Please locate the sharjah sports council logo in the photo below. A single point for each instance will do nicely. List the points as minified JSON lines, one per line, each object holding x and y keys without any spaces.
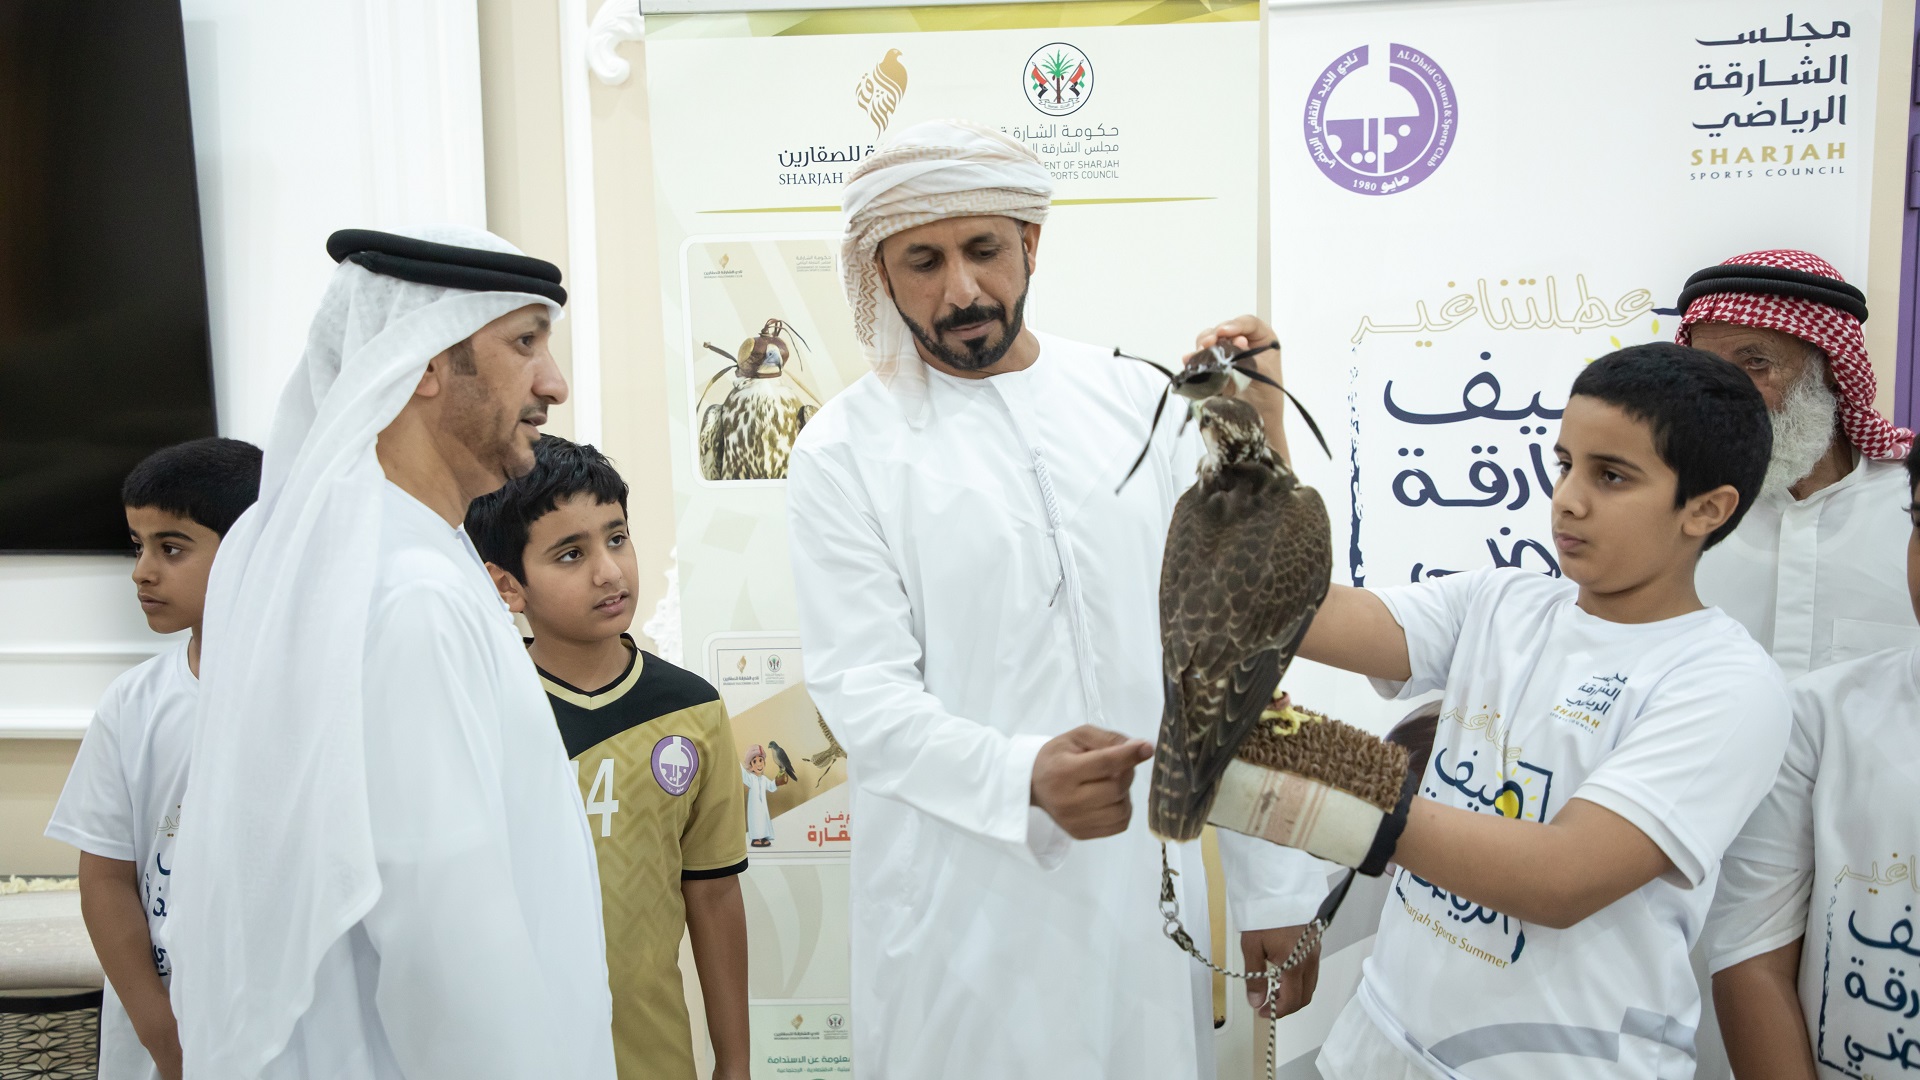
{"x":1382,"y":134}
{"x":1059,"y":79}
{"x":675,"y":761}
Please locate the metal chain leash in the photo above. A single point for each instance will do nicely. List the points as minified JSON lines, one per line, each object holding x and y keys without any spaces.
{"x":1177,"y":933}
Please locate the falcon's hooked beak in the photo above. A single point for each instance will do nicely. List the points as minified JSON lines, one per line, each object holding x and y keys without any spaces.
{"x":770,"y":366}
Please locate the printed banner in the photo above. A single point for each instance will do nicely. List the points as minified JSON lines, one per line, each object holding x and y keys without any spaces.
{"x":1145,"y":112}
{"x":791,"y":766}
{"x":768,"y":342}
{"x":801,"y":1040}
{"x":1473,"y":200}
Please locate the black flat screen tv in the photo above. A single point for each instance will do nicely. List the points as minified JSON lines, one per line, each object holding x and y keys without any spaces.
{"x":104,"y":353}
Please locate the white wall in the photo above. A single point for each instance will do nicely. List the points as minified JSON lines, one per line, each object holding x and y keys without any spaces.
{"x":307,"y":118}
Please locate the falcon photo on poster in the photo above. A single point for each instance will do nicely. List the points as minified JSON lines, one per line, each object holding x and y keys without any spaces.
{"x":769,"y":342}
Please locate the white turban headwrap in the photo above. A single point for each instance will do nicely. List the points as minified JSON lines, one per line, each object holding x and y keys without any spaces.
{"x":278,"y":862}
{"x":928,"y":172}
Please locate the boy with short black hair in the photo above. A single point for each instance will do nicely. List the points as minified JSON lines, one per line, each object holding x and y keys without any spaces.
{"x":654,"y":747}
{"x":121,"y":804}
{"x":1602,"y":738}
{"x":1811,"y":942}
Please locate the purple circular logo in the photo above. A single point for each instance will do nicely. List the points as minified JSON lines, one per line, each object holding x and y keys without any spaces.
{"x":1375,"y":135}
{"x":675,"y":761}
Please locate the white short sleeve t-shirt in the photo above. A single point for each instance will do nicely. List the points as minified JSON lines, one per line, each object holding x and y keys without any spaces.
{"x":1677,"y":726}
{"x":122,"y":801}
{"x":1829,"y":859}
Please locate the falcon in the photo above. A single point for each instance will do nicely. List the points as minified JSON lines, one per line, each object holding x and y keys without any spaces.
{"x":1248,"y":559}
{"x":749,"y":434}
{"x":781,"y":759}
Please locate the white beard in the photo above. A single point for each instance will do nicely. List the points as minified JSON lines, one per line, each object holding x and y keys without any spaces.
{"x":1802,"y":432}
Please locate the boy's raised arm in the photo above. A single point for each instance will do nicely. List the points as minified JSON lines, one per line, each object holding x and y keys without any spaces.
{"x":116,"y":920}
{"x":1554,"y":874}
{"x":1355,"y":631}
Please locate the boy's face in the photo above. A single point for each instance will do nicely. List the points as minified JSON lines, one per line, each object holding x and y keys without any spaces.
{"x":1614,"y":521}
{"x":172,"y":555}
{"x":580,"y":571}
{"x":757,"y":766}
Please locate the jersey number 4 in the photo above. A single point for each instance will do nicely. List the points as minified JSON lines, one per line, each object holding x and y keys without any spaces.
{"x":600,"y":798}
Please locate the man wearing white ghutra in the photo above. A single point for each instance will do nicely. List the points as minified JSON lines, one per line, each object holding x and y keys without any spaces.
{"x":979,"y":609}
{"x":389,"y":871}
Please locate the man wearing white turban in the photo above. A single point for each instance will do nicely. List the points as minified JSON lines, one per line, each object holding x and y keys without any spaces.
{"x":979,"y":611}
{"x":388,"y":871}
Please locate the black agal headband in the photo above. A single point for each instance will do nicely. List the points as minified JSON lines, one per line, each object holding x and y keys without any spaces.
{"x":1770,"y":281}
{"x":427,"y":263}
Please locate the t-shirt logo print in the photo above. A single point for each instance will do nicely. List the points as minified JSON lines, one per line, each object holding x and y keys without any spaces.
{"x":675,"y":762}
{"x":1588,"y":705}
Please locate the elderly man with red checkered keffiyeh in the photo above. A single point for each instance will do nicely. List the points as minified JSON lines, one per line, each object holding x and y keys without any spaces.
{"x":1815,"y":572}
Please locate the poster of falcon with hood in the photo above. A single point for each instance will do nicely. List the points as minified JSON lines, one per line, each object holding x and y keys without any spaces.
{"x":767,"y":317}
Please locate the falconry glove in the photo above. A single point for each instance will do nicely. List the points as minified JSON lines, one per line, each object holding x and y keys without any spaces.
{"x":1331,"y":790}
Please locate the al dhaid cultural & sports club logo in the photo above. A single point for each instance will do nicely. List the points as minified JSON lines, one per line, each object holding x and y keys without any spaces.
{"x":1375,"y":130}
{"x":1059,"y":79}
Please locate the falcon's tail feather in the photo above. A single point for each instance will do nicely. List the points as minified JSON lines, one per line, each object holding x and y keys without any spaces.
{"x":1176,"y":810}
{"x":1186,"y":775}
{"x":1182,"y":793}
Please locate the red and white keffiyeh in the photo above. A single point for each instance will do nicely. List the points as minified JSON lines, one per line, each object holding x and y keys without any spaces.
{"x":1833,"y":331}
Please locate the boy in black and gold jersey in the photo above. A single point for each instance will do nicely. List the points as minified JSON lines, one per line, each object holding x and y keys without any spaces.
{"x":655,"y":753}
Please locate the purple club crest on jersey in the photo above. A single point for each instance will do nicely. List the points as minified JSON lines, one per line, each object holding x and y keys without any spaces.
{"x":675,"y":762}
{"x":1387,"y":136}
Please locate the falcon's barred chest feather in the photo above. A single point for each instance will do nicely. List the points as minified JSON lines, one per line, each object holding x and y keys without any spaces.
{"x":1248,"y":561}
{"x":749,"y":434}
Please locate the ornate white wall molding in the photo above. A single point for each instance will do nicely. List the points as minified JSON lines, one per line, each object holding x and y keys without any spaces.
{"x":664,"y":627}
{"x":617,"y":22}
{"x":44,"y":723}
{"x":583,"y":249}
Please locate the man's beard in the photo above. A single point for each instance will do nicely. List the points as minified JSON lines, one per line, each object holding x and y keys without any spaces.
{"x":490,"y":432}
{"x":1802,"y":432}
{"x":983,"y":352}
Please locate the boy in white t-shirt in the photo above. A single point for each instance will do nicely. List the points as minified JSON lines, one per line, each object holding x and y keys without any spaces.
{"x":121,"y":805}
{"x":1811,"y":938}
{"x":1601,"y":740}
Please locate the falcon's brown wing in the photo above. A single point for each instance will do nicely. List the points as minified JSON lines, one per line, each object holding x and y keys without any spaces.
{"x":1245,"y":571}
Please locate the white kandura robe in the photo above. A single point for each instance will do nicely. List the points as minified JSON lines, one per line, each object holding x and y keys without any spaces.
{"x":1816,"y":581}
{"x":1821,"y":579}
{"x":968,"y":589}
{"x":484,"y":955}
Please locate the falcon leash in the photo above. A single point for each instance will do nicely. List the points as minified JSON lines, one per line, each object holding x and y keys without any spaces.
{"x":1309,"y":941}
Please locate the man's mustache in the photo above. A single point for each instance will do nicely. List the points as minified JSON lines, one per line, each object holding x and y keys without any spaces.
{"x":966,"y":316}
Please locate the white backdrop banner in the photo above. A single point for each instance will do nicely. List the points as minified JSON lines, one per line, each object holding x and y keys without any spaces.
{"x":1472,"y":200}
{"x":1146,"y":114}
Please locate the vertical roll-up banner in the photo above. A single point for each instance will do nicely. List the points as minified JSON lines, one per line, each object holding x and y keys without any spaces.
{"x":1145,"y":112}
{"x":1470,"y":201}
